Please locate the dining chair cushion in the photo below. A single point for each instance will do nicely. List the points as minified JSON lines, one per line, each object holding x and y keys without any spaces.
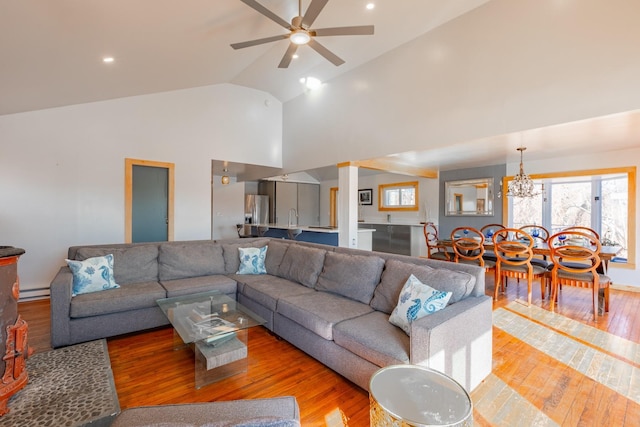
{"x":487,"y":263}
{"x":415,"y":301}
{"x":523,"y":268}
{"x":583,"y":277}
{"x":442,"y":256}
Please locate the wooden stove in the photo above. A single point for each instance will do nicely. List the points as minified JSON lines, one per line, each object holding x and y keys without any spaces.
{"x":13,"y":329}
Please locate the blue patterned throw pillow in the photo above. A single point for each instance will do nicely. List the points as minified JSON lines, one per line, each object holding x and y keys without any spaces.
{"x":417,"y":300}
{"x":252,"y":260}
{"x":92,"y":275}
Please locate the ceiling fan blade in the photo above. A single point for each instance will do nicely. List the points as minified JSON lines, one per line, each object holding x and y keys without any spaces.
{"x":362,"y":30}
{"x":312,"y":12}
{"x":266,"y":12}
{"x":259,"y":41}
{"x":288,"y":56}
{"x":330,"y":56}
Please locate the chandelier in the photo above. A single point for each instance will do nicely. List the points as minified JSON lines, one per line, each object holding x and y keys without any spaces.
{"x":521,"y":185}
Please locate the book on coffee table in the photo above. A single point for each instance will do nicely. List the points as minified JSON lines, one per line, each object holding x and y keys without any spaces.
{"x":212,"y":327}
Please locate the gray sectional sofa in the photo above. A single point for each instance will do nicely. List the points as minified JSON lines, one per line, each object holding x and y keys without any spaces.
{"x":331,"y":302}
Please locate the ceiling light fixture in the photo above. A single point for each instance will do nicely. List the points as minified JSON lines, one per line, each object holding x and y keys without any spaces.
{"x":311,"y":83}
{"x":225,"y":178}
{"x":300,"y":37}
{"x":522,"y":185}
{"x":107,"y":59}
{"x":370,"y":6}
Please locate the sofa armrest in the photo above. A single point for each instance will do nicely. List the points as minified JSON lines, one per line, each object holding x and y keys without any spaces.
{"x":60,"y":294}
{"x":457,"y":340}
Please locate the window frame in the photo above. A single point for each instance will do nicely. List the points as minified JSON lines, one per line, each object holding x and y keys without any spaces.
{"x":382,"y":188}
{"x":630,"y":171}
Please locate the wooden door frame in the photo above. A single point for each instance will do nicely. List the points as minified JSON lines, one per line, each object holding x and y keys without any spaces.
{"x":128,"y":194}
{"x":333,"y":206}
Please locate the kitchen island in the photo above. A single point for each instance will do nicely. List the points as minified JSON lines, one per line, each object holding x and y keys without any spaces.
{"x":317,"y":234}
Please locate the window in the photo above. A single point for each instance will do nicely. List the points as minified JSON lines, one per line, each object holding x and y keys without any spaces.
{"x":402,"y":196}
{"x":602,"y":200}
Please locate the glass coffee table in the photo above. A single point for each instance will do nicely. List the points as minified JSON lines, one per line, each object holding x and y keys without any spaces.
{"x":216,"y":327}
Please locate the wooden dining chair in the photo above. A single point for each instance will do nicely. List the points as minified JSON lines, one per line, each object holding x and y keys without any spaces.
{"x":576,"y":264}
{"x":514,"y":252}
{"x":468,"y":247}
{"x":435,"y":250}
{"x":488,"y":231}
{"x":538,"y":232}
{"x":540,"y":235}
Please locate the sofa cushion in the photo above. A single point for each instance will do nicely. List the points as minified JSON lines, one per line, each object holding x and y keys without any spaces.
{"x":302,"y":264}
{"x":132,"y":264}
{"x":192,"y":285}
{"x":352,"y":276}
{"x":129,"y":296}
{"x":92,"y":275}
{"x":320,"y":311}
{"x":182,"y":260}
{"x":267,"y":290}
{"x":275,"y":254}
{"x":417,"y":300}
{"x":396,"y":273}
{"x":232,"y":255}
{"x":373,"y":338}
{"x":252,"y":260}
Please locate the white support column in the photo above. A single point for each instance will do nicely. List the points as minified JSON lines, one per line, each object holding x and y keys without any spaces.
{"x":348,"y":206}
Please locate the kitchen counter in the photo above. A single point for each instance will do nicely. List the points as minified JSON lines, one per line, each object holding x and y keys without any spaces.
{"x":318,"y":234}
{"x":313,"y":228}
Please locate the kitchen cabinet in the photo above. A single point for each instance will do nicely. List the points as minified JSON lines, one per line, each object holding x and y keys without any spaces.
{"x":403,"y":239}
{"x":303,"y":197}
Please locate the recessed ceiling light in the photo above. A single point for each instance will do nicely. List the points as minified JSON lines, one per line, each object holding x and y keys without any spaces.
{"x":295,"y":56}
{"x":370,"y":6}
{"x":107,"y":59}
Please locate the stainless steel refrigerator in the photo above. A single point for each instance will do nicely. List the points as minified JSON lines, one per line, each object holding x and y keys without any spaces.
{"x":256,"y":209}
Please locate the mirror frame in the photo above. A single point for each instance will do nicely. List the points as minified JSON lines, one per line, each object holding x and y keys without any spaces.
{"x":454,"y":193}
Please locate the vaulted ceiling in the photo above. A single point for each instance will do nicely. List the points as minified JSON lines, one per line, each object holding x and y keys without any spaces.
{"x":51,"y":51}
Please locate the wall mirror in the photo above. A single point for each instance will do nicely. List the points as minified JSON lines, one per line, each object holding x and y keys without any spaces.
{"x":472,"y":197}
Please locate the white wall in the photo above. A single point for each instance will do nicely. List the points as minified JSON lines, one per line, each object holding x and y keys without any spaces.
{"x":505,"y":66}
{"x":583,"y":161}
{"x":62,"y":169}
{"x":428,"y":199}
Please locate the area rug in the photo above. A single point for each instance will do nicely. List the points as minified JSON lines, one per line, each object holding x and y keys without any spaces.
{"x":70,"y":386}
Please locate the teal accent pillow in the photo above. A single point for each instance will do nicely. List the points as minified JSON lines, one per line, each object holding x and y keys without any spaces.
{"x":252,"y":260}
{"x":417,"y":300}
{"x":92,"y":275}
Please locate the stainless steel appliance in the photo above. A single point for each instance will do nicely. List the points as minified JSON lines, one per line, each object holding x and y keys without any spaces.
{"x":256,"y":209}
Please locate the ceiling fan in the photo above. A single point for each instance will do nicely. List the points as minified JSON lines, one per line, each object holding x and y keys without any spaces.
{"x":300,"y":32}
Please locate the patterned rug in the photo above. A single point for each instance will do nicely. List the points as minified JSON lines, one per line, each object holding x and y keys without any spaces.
{"x":70,"y":386}
{"x":598,"y":355}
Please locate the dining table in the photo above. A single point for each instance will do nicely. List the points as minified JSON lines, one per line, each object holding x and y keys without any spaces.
{"x":607,"y":253}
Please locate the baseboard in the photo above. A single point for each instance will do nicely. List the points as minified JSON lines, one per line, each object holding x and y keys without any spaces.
{"x":33,"y":294}
{"x":628,"y":288}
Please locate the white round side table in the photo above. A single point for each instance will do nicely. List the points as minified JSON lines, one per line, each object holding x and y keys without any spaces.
{"x":411,"y":395}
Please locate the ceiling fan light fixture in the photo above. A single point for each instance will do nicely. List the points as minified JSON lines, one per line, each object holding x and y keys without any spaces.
{"x":300,"y":37}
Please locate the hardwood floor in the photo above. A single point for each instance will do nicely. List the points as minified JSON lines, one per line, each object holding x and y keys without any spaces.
{"x":148,"y":371}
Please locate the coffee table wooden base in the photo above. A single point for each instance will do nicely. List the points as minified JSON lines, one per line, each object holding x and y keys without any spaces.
{"x":214,"y":363}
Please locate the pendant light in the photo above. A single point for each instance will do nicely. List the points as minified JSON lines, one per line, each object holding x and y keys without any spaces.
{"x":522,"y":185}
